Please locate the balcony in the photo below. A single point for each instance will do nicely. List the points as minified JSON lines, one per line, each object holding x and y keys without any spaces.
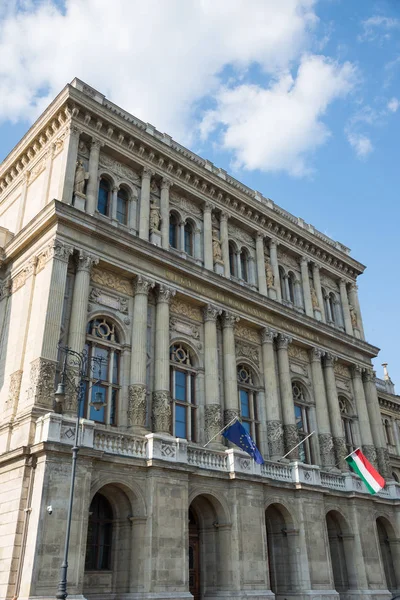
{"x":154,"y":448}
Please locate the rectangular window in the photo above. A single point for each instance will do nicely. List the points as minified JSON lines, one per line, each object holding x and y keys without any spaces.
{"x":180,"y":386}
{"x":180,"y":421}
{"x":121,"y":210}
{"x":102,"y":202}
{"x":244,"y":403}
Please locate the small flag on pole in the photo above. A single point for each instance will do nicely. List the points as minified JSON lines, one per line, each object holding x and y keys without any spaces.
{"x":370,"y":476}
{"x":237,"y":434}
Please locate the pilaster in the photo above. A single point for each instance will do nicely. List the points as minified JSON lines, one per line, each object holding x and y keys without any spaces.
{"x":375,"y":419}
{"x":207,"y":226}
{"x":285,"y":381}
{"x":225,"y":243}
{"x":261,"y":276}
{"x":144,"y":211}
{"x":164,"y":202}
{"x":275,"y":292}
{"x":80,"y":298}
{"x":345,"y":307}
{"x":339,"y":443}
{"x":230,"y":375}
{"x":363,"y":416}
{"x":308,"y":307}
{"x":70,"y":155}
{"x":274,"y":421}
{"x":213,"y":419}
{"x":321,"y":409}
{"x":92,"y":185}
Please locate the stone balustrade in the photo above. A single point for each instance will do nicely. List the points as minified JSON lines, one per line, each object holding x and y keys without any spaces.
{"x":163,"y":447}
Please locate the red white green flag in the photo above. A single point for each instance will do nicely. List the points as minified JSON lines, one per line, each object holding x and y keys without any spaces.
{"x":370,"y":476}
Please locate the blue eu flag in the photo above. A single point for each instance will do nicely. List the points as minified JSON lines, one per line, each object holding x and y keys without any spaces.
{"x":237,"y":434}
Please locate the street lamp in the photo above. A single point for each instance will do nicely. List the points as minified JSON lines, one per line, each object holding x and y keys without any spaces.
{"x":81,"y":366}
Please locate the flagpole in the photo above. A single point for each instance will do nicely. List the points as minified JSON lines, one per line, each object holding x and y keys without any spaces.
{"x":223,"y":429}
{"x":294,"y":447}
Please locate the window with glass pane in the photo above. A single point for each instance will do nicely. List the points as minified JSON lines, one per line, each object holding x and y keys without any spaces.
{"x":291,"y":279}
{"x":248,"y":401}
{"x":103,"y":197}
{"x":243,"y":265}
{"x":173,"y":231}
{"x":99,"y":536}
{"x":102,"y":382}
{"x":122,"y":206}
{"x":301,"y":412}
{"x":189,"y":239}
{"x":183,"y":393}
{"x":232,"y":259}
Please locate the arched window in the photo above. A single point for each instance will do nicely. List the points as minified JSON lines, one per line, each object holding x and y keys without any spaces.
{"x":99,"y":537}
{"x":103,"y":200}
{"x":122,"y":206}
{"x":332,"y":307}
{"x":291,"y":283}
{"x":282,"y":278}
{"x":183,"y":393}
{"x":189,"y":245}
{"x":103,"y":384}
{"x":346,"y":413}
{"x":244,"y":264}
{"x":173,"y":231}
{"x":248,"y":401}
{"x":328,"y":318}
{"x":232,"y":259}
{"x":301,"y":411}
{"x":387,"y":426}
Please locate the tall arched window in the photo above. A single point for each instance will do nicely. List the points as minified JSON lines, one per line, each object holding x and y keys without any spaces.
{"x":347,"y":415}
{"x":173,"y":231}
{"x":248,"y":401}
{"x":189,"y":238}
{"x":122,"y":206}
{"x":291,"y":286}
{"x":244,"y":264}
{"x":332,"y":307}
{"x":103,"y":200}
{"x":99,"y":536}
{"x":183,"y":393}
{"x":282,"y":279}
{"x":387,"y":426}
{"x":301,"y":411}
{"x":102,"y":341}
{"x":232,"y":259}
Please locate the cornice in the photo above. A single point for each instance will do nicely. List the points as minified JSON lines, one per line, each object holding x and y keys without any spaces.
{"x":389,"y":402}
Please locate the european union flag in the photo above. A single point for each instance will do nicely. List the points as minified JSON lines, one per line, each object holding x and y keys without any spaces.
{"x":237,"y":434}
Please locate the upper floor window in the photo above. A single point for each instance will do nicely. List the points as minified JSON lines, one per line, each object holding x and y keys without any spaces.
{"x":232,"y":259}
{"x":103,"y":384}
{"x":291,"y":289}
{"x":387,"y":426}
{"x":244,"y":264}
{"x":183,"y":378}
{"x":248,"y":401}
{"x":302,"y":416}
{"x":99,"y":536}
{"x":122,"y":206}
{"x":347,"y":415}
{"x":173,"y":231}
{"x":189,"y":238}
{"x":103,"y":200}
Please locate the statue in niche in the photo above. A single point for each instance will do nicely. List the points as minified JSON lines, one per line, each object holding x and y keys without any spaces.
{"x":155,"y":217}
{"x":314,"y":297}
{"x":80,"y":178}
{"x":353,"y":316}
{"x":269,"y":272}
{"x":216,"y":245}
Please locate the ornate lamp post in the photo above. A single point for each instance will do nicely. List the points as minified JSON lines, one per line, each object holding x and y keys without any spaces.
{"x":81,"y":366}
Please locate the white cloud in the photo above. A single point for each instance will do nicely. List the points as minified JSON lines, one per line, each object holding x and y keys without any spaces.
{"x":378,"y":27}
{"x":393,"y":105}
{"x":278,"y":127}
{"x":361,"y":144}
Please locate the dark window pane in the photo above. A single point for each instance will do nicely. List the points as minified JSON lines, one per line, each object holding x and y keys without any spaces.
{"x":82,"y":400}
{"x":244,"y":403}
{"x":299,"y":416}
{"x":122,"y":206}
{"x":115,"y":368}
{"x":113,"y":411}
{"x":188,"y":239}
{"x":104,"y":192}
{"x":180,"y":421}
{"x":180,"y":386}
{"x":243,"y":265}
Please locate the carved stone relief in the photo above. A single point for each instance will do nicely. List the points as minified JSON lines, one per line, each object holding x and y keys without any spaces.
{"x":112,"y":280}
{"x":119,"y":168}
{"x":240,"y":235}
{"x":182,"y":308}
{"x":288,"y":260}
{"x":42,"y":377}
{"x":97,"y":296}
{"x":15,"y":387}
{"x":137,"y":405}
{"x":177,"y":326}
{"x":342,"y":370}
{"x":251,"y":335}
{"x":185,"y":205}
{"x":298,"y":353}
{"x":161,"y":412}
{"x":247,"y":351}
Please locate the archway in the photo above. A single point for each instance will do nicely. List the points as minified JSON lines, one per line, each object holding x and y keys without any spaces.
{"x":341,"y":552}
{"x":385,"y":534}
{"x":281,"y":558}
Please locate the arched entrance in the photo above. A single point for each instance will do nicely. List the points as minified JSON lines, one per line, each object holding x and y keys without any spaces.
{"x":281,"y":560}
{"x":385,"y":534}
{"x":341,"y":552}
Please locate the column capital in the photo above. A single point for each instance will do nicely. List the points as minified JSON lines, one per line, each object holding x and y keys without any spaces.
{"x":86,"y":261}
{"x":283,"y":341}
{"x":357,"y":371}
{"x":260,"y":235}
{"x":370,"y":376}
{"x":273,"y":243}
{"x":96,"y":143}
{"x":73,"y":130}
{"x":304,"y":260}
{"x":353,"y":286}
{"x":166,"y":183}
{"x":268,"y":335}
{"x":60,"y":250}
{"x":115,"y":188}
{"x":208,"y":207}
{"x":316,"y":354}
{"x":165,"y":293}
{"x":211,"y":312}
{"x":224,"y":216}
{"x":142,"y":285}
{"x":229,"y":319}
{"x":343,"y":282}
{"x":316,"y":266}
{"x":147,"y":172}
{"x":329,"y":359}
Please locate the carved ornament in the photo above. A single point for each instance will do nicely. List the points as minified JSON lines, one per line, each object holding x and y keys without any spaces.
{"x":142,"y":285}
{"x":185,"y":205}
{"x":246,"y":333}
{"x":119,"y":169}
{"x":182,"y":308}
{"x":239,"y":234}
{"x":111,"y":280}
{"x":298,"y":353}
{"x":211,"y":312}
{"x":116,"y":302}
{"x":247,"y":351}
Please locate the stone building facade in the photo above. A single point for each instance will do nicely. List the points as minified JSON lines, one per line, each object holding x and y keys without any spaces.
{"x":208,"y":301}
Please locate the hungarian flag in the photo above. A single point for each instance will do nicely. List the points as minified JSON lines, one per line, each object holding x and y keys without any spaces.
{"x":366,"y":471}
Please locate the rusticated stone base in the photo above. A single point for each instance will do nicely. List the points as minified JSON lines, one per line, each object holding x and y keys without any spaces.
{"x":326,"y":449}
{"x":370,"y":454}
{"x":291,"y":438}
{"x":137,"y":405}
{"x":42,"y":376}
{"x":383,"y":463}
{"x":213,"y":422}
{"x":161,"y":416}
{"x":275,"y":439}
{"x":339,"y":445}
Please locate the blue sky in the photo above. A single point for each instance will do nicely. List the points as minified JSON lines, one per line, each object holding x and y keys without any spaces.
{"x":299,"y":99}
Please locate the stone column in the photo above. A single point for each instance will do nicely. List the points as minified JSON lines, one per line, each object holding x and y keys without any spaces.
{"x":161,"y":396}
{"x":274,"y":422}
{"x":289,"y":421}
{"x":114,"y":200}
{"x":318,"y":291}
{"x":144,"y":211}
{"x":137,"y":388}
{"x":321,"y":410}
{"x":197,"y":246}
{"x":70,"y":155}
{"x":353,"y":299}
{"x":275,"y":294}
{"x":225,"y":243}
{"x":345,"y":307}
{"x":207,"y":224}
{"x":375,"y":419}
{"x":230,"y":375}
{"x":212,"y":415}
{"x":262,"y":280}
{"x":339,"y":443}
{"x":363,"y":416}
{"x":305,"y":280}
{"x":91,"y":190}
{"x":164,"y":207}
{"x":80,"y":297}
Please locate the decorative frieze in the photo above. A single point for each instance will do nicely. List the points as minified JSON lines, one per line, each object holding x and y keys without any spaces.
{"x":177,"y":326}
{"x":298,"y":353}
{"x":186,"y":206}
{"x":275,"y":438}
{"x":246,"y":333}
{"x":15,"y":388}
{"x":240,"y":235}
{"x":179,"y":307}
{"x":118,"y":303}
{"x":247,"y":351}
{"x":342,"y":370}
{"x":119,"y":168}
{"x":54,"y":249}
{"x":42,"y":376}
{"x":111,"y":280}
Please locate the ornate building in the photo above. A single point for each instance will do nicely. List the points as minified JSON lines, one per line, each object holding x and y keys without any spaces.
{"x":207,"y":301}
